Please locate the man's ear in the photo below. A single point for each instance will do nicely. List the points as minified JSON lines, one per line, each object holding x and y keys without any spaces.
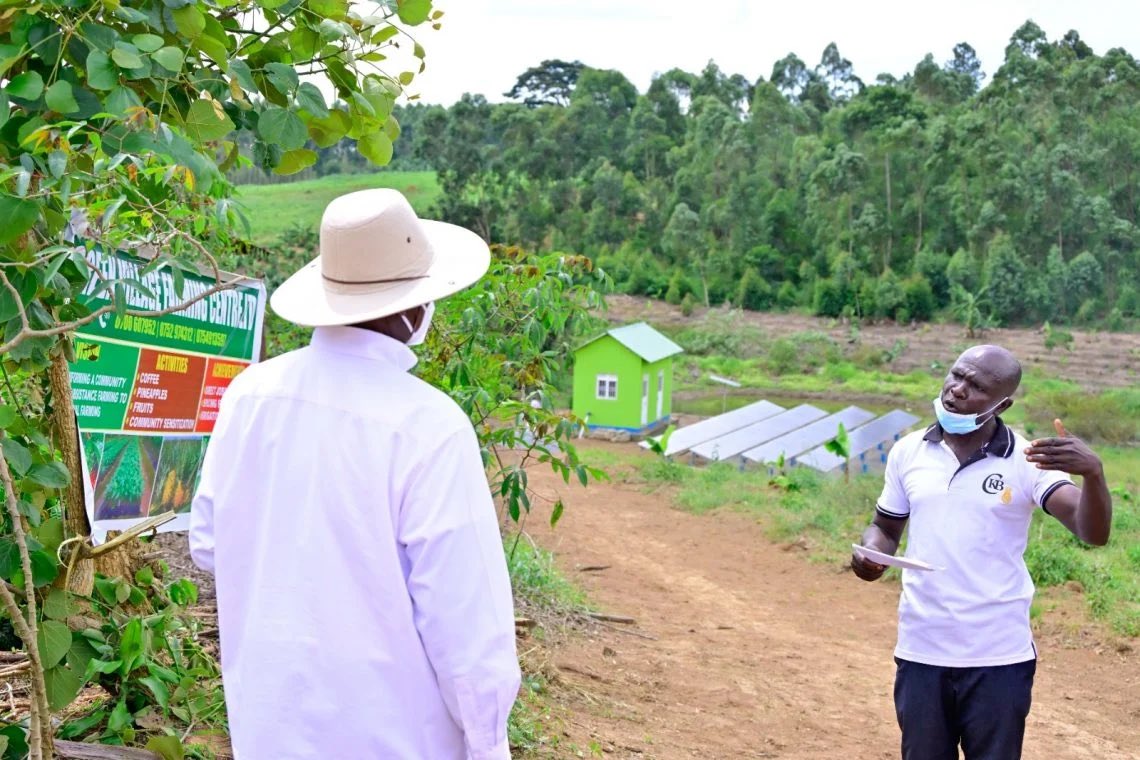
{"x":1004,"y":406}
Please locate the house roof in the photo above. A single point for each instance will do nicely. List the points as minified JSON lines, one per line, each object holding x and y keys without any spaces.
{"x":643,"y":340}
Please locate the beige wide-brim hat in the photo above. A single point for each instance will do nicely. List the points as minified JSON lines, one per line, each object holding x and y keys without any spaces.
{"x":378,"y":258}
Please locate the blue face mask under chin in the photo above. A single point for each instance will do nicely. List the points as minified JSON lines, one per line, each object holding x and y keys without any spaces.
{"x":960,"y":424}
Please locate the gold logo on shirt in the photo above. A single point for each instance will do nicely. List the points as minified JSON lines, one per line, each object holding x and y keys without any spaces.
{"x":1007,"y":495}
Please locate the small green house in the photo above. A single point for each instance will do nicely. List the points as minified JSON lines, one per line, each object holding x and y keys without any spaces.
{"x":623,"y":379}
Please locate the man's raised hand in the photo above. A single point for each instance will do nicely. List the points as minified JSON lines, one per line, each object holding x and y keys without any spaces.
{"x":1066,"y":453}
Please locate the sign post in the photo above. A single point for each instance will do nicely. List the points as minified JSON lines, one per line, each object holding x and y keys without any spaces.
{"x":146,"y":389}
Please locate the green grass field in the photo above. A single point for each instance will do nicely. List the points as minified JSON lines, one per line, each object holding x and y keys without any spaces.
{"x":272,"y":209}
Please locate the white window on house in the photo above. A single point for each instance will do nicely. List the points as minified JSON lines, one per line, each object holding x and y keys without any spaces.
{"x":607,"y":386}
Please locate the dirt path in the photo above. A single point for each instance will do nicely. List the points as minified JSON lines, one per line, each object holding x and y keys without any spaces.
{"x":758,"y":653}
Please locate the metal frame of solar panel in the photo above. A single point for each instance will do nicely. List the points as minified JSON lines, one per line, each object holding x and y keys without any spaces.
{"x":877,"y":435}
{"x":807,"y":437}
{"x":684,"y":438}
{"x":734,"y":443}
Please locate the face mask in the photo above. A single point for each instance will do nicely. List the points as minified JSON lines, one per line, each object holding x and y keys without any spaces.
{"x":418,"y":335}
{"x":960,"y":424}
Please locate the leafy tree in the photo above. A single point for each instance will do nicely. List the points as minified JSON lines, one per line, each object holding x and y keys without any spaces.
{"x":549,"y":83}
{"x":1007,"y":281}
{"x":754,"y":292}
{"x":117,"y":124}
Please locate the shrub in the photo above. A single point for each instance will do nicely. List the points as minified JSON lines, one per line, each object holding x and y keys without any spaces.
{"x":687,"y":305}
{"x":802,"y":353}
{"x":829,"y":298}
{"x":789,"y":296}
{"x":918,"y":295}
{"x":1112,"y":417}
{"x":754,"y":292}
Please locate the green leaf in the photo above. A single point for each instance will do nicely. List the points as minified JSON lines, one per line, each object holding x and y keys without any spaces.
{"x":3,"y":744}
{"x":148,"y":43}
{"x":54,"y":639}
{"x":45,"y":568}
{"x":57,"y":163}
{"x":144,"y":576}
{"x":104,"y":667}
{"x":58,"y":606}
{"x":50,"y":475}
{"x":158,"y":689}
{"x":50,"y":534}
{"x":239,"y":70}
{"x":63,"y":684}
{"x":310,"y":98}
{"x":60,"y":97}
{"x":169,"y":58}
{"x":413,"y":12}
{"x":190,"y":21}
{"x":126,"y":56}
{"x":213,"y":48}
{"x":17,"y":216}
{"x":283,"y":77}
{"x":131,"y":646}
{"x":385,"y":34}
{"x":331,"y":9}
{"x":203,"y":124}
{"x":9,"y":557}
{"x":376,"y":147}
{"x":556,"y":513}
{"x":27,"y":86}
{"x":120,"y":717}
{"x":8,"y":415}
{"x":293,"y":161}
{"x":282,"y":127}
{"x":166,"y":747}
{"x":26,"y":287}
{"x":330,"y":130}
{"x":17,"y":741}
{"x":120,"y":99}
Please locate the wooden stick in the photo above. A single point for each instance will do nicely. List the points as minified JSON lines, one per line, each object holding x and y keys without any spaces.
{"x":611,"y":618}
{"x":593,"y":568}
{"x":626,"y":630}
{"x":81,"y":751}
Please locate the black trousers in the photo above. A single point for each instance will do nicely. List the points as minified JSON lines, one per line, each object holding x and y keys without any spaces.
{"x":983,"y":709}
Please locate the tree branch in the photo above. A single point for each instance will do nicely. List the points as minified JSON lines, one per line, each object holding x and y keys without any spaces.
{"x":40,"y":728}
{"x":26,"y":334}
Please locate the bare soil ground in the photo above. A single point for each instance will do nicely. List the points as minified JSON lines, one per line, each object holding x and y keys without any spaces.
{"x":745,"y":649}
{"x":1097,"y":360}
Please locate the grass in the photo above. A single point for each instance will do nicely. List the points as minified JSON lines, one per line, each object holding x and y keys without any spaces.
{"x":540,"y":591}
{"x":272,"y":209}
{"x":827,"y":514}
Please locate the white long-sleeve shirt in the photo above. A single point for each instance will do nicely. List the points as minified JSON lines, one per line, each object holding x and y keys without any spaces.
{"x":364,"y":604}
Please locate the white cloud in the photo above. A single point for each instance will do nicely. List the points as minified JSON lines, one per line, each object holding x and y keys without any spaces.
{"x":485,"y":44}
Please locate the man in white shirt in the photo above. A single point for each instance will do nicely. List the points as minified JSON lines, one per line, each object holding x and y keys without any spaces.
{"x":364,"y":605}
{"x":966,"y":489}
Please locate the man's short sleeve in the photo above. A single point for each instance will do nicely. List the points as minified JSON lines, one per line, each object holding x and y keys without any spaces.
{"x":1045,"y":482}
{"x":893,"y":501}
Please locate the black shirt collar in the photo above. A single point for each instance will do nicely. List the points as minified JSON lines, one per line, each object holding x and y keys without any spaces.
{"x":1000,"y":443}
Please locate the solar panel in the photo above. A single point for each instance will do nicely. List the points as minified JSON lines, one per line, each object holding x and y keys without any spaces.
{"x":733,"y":443}
{"x":808,"y":437}
{"x":684,"y":438}
{"x":867,"y":444}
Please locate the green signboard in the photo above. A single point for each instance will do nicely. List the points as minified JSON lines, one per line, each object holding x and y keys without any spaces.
{"x":146,"y":389}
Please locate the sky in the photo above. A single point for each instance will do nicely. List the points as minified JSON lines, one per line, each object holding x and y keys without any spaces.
{"x":485,"y":45}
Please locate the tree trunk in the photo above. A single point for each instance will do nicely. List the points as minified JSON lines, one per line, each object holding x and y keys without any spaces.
{"x":118,"y":563}
{"x":82,"y":579}
{"x":890,"y":231}
{"x":921,"y":204}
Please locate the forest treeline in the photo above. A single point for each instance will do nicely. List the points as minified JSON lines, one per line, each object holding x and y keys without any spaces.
{"x":905,"y":198}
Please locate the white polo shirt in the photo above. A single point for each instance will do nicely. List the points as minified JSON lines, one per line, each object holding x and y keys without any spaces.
{"x":971,"y":519}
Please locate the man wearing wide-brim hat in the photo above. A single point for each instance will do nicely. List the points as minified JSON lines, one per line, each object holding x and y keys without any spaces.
{"x":363,"y":600}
